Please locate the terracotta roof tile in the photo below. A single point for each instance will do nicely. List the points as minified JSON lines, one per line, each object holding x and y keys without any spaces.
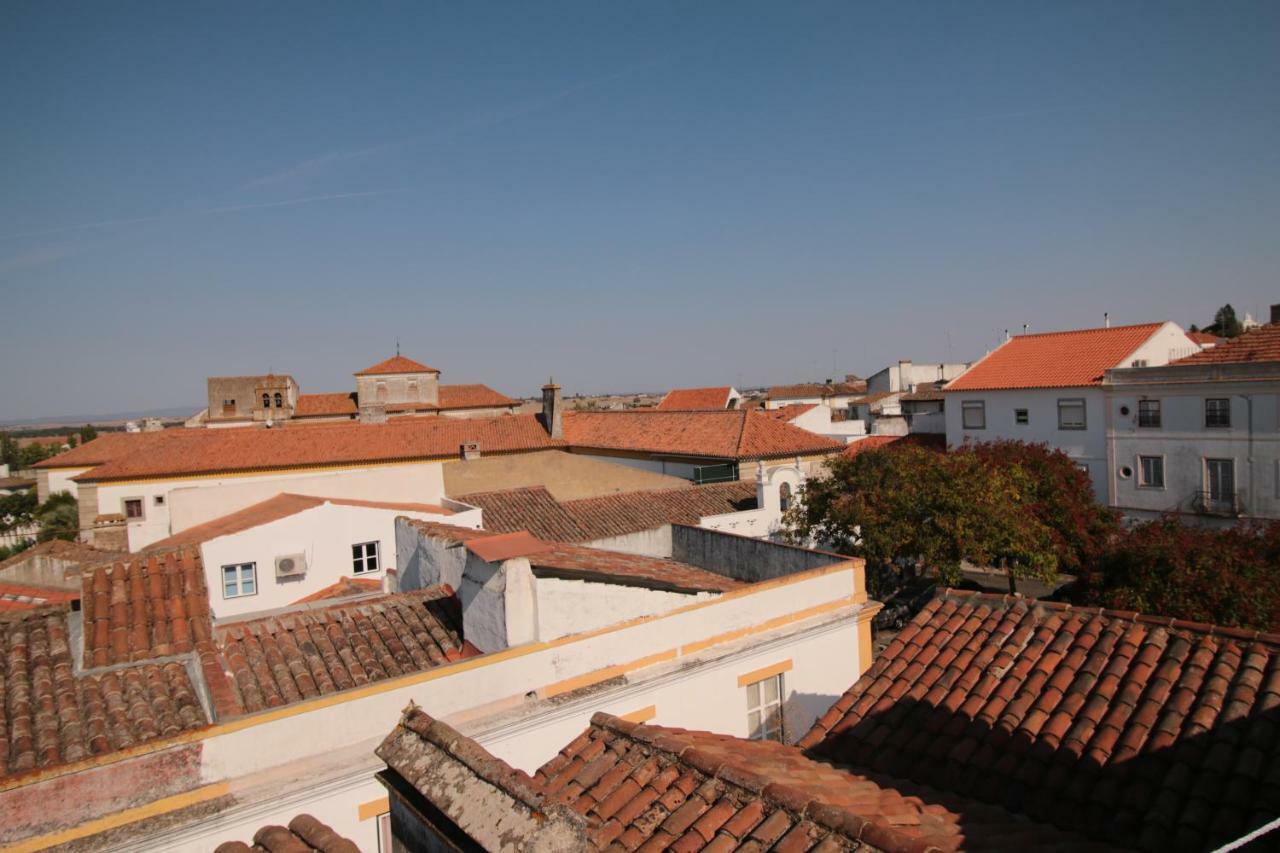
{"x":657,"y":788}
{"x":396,"y":364}
{"x":472,"y":397}
{"x":304,"y":834}
{"x":877,"y":442}
{"x":107,"y":447}
{"x":507,"y":546}
{"x":533,"y":509}
{"x":145,"y":607}
{"x":1054,"y":359}
{"x":816,"y":389}
{"x":273,"y":509}
{"x":315,"y":405}
{"x":738,"y":434}
{"x":50,"y":716}
{"x":1138,"y":731}
{"x":576,"y":562}
{"x":343,"y":588}
{"x":696,"y":399}
{"x":201,"y":451}
{"x":1260,"y":344}
{"x":1205,"y":338}
{"x":288,"y":657}
{"x":25,"y":596}
{"x":789,"y":412}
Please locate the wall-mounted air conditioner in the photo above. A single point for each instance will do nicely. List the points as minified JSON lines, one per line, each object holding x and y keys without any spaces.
{"x":291,"y":566}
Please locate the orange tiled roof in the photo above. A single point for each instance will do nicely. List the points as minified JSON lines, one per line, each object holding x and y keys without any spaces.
{"x":105,"y":448}
{"x":52,"y":716}
{"x":335,"y":648}
{"x":816,"y":389}
{"x":272,"y":509}
{"x":396,"y":364}
{"x":692,"y":399}
{"x":1139,"y":731}
{"x":304,"y":834}
{"x":1205,"y":338}
{"x":25,"y":596}
{"x":789,"y":412}
{"x":1260,"y":344}
{"x":876,"y":442}
{"x":1054,"y":359}
{"x":203,"y":451}
{"x":472,"y":397}
{"x":533,"y":509}
{"x":631,"y":512}
{"x":576,"y":562}
{"x":317,"y":405}
{"x":740,"y":435}
{"x":628,"y":786}
{"x":343,"y":588}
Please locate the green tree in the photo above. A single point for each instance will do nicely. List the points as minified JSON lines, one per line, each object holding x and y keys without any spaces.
{"x":8,"y":450}
{"x":905,"y":506}
{"x":87,"y":433}
{"x":1225,"y":323}
{"x":17,"y":510}
{"x":58,"y":517}
{"x":7,"y":551}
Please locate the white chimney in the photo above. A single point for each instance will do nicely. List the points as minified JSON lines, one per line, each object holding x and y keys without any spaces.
{"x":1106,"y":319}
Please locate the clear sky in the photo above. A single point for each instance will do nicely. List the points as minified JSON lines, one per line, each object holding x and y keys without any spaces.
{"x":624,"y":195}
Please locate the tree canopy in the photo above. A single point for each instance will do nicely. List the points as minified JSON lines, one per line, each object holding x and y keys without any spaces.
{"x":1225,"y":324}
{"x":1020,"y":506}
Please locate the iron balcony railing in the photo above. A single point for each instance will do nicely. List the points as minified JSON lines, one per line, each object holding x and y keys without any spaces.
{"x":1210,"y":503}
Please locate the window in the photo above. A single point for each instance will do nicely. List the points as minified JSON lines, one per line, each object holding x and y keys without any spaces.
{"x":279,"y":401}
{"x":266,"y":401}
{"x":365,"y":557}
{"x":1220,"y":480}
{"x":382,"y":392}
{"x":133,"y":508}
{"x":784,"y":496}
{"x":1071,"y":414}
{"x":239,"y":580}
{"x":1020,"y":416}
{"x":1148,"y":413}
{"x":228,"y":404}
{"x":413,"y":390}
{"x":1151,"y":472}
{"x":973,"y":414}
{"x":1217,"y":412}
{"x":1138,"y":362}
{"x":764,"y":709}
{"x":158,"y":500}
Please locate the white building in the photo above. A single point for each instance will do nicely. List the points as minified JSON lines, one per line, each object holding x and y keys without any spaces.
{"x":907,"y":375}
{"x":1200,"y":436}
{"x":515,"y":642}
{"x":819,"y":420}
{"x":291,"y":549}
{"x":1048,"y":388}
{"x":834,"y":395}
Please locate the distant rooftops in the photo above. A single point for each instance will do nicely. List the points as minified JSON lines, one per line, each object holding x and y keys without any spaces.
{"x":396,"y":364}
{"x":1068,"y":359}
{"x":806,"y":390}
{"x":1257,"y":345}
{"x":737,"y":435}
{"x":697,"y":399}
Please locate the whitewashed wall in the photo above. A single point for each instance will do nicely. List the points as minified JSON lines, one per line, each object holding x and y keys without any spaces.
{"x":324,"y":535}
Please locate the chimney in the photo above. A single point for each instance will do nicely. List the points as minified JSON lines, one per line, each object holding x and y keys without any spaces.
{"x":1275,"y":314}
{"x":470,"y":450}
{"x":904,"y":375}
{"x":1106,"y":319}
{"x":372,"y":413}
{"x":552,"y":417}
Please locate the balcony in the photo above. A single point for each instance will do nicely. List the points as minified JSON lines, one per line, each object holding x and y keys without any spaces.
{"x":1225,"y":505}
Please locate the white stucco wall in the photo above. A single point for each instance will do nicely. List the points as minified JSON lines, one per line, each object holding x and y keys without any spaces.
{"x":1184,"y":443}
{"x":324,"y":535}
{"x":195,"y":500}
{"x":569,"y":606}
{"x":60,"y":481}
{"x":1086,"y":446}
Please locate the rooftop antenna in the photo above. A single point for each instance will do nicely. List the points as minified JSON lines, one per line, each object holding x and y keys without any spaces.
{"x":397,"y":346}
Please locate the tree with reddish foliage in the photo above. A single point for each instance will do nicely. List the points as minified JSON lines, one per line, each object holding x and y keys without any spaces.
{"x":1165,"y":567}
{"x":1060,"y":496}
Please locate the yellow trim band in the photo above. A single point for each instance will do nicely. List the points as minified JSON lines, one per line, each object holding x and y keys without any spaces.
{"x":765,"y":672}
{"x":373,"y":808}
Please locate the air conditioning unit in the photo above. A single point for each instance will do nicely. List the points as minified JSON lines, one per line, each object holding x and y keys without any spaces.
{"x":291,"y":566}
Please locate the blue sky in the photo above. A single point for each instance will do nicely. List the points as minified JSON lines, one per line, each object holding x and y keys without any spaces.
{"x":623,"y":195}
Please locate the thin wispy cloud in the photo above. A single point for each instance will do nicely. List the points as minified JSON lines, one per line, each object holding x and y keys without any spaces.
{"x":482,"y":120}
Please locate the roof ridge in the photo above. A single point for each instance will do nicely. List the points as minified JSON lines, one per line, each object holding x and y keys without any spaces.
{"x":729,"y":769}
{"x":1091,"y":329}
{"x":1205,"y":629}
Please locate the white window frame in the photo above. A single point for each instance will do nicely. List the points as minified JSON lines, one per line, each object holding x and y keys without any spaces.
{"x":967,"y":406}
{"x":1142,"y":472}
{"x":1084,"y":413}
{"x":384,"y":833}
{"x":239,"y":569}
{"x":760,"y":707}
{"x":362,"y":558}
{"x":1208,"y":492}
